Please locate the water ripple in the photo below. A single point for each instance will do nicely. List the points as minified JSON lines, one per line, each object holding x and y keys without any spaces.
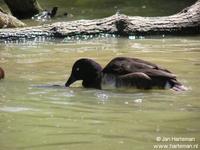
{"x":16,"y":109}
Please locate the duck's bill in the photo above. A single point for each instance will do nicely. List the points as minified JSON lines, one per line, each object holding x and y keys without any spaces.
{"x":71,"y":80}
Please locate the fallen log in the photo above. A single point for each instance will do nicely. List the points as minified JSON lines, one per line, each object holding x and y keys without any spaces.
{"x":8,"y":21}
{"x":185,"y":22}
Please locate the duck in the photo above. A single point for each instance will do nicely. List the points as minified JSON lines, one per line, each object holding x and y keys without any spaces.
{"x":2,"y":74}
{"x":123,"y":72}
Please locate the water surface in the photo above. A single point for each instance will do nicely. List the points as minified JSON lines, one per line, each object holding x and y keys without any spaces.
{"x":35,"y":115}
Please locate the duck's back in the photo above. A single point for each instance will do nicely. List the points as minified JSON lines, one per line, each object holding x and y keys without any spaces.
{"x":139,"y":73}
{"x":124,"y":65}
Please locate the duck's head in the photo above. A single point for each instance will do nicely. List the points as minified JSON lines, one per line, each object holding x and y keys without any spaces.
{"x":84,"y":69}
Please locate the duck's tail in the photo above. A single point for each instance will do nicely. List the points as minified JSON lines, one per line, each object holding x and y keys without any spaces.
{"x":177,"y":86}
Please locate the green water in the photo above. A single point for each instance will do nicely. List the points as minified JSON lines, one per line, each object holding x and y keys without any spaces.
{"x":34,"y":115}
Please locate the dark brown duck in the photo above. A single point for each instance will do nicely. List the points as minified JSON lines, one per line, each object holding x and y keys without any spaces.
{"x":123,"y":72}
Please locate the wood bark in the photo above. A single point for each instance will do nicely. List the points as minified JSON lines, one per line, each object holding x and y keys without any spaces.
{"x":23,"y":9}
{"x":185,"y":22}
{"x":1,"y":10}
{"x":8,"y":21}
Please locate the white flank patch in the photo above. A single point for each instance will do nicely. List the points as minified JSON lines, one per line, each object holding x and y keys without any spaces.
{"x":108,"y":81}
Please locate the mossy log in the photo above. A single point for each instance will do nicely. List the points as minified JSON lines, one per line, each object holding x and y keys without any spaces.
{"x":185,"y":22}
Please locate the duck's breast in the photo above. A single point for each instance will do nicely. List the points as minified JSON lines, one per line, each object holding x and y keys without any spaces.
{"x":108,"y":81}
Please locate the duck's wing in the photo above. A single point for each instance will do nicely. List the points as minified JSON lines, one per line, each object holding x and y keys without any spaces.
{"x":137,"y":79}
{"x":155,"y":73}
{"x":148,"y":79}
{"x":124,"y":65}
{"x":161,"y":79}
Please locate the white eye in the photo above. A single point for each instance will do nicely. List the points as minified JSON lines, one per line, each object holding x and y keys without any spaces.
{"x":77,"y":69}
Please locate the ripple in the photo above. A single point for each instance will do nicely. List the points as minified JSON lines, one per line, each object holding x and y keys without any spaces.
{"x":38,"y":92}
{"x":138,"y":100}
{"x":56,"y":144}
{"x":69,"y":93}
{"x":103,"y":97}
{"x":139,"y":46}
{"x":62,"y":103}
{"x":15,"y":109}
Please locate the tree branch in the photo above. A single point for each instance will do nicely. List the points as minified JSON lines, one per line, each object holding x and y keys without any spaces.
{"x":9,"y":21}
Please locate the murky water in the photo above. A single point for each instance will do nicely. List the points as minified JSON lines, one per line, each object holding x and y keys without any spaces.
{"x":35,"y":115}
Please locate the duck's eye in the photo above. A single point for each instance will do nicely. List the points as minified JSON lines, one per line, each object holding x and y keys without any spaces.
{"x":77,"y":69}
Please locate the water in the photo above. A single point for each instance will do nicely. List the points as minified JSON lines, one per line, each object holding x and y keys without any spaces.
{"x":36,"y":115}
